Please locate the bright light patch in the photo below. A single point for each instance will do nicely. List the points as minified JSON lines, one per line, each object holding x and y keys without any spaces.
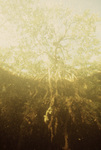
{"x":98,"y":31}
{"x":24,"y":71}
{"x":45,"y":58}
{"x":9,"y":36}
{"x":93,"y":59}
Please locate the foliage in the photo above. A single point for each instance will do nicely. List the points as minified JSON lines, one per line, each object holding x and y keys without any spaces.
{"x":47,"y":37}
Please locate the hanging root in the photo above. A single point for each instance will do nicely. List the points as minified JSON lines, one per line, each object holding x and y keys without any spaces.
{"x":66,"y":146}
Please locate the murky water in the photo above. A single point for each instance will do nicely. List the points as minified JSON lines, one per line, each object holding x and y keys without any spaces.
{"x":73,"y":122}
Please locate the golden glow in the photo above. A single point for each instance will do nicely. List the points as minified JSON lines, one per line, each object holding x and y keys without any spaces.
{"x":30,"y":39}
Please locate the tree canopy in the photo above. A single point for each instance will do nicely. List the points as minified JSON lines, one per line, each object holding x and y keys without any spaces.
{"x":39,"y":37}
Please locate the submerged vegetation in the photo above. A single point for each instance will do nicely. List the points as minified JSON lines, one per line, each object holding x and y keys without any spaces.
{"x":29,"y":113}
{"x":50,"y":78}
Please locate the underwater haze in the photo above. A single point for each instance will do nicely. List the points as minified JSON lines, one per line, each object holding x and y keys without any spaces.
{"x":50,"y":75}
